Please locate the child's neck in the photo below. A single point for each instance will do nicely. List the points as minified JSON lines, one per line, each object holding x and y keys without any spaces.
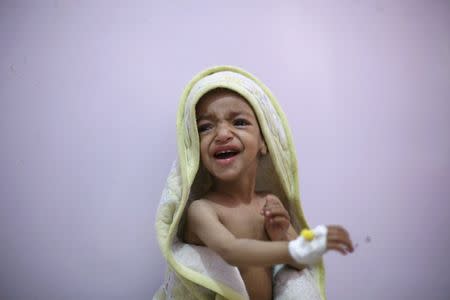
{"x":242,"y":190}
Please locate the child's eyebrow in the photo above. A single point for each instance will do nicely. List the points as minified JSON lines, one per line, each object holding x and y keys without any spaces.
{"x":204,"y":117}
{"x":231,"y":115}
{"x":234,"y":114}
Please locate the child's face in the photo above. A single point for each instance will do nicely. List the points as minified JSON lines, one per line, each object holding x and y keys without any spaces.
{"x":230,"y":138}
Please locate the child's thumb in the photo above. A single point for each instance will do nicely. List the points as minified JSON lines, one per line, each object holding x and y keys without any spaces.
{"x":270,"y":199}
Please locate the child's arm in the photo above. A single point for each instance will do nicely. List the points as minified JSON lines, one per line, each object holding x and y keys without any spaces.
{"x":279,"y":228}
{"x":277,"y":223}
{"x":205,"y":224}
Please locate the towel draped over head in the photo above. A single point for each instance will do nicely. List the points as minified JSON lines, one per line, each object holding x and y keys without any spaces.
{"x":195,"y":272}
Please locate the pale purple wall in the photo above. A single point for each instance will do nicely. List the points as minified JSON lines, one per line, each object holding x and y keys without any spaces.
{"x":88,"y":95}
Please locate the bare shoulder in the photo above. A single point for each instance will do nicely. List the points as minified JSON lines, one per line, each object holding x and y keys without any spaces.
{"x":201,"y":204}
{"x":203,"y":226}
{"x":198,"y":212}
{"x":200,"y":209}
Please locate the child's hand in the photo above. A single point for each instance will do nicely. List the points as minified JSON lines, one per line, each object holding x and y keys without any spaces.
{"x":339,"y":240}
{"x":309,"y":247}
{"x":276,"y":219}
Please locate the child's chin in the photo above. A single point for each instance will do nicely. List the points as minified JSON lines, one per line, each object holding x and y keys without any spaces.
{"x":228,"y":175}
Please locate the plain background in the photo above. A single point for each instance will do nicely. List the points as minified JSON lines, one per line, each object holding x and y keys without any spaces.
{"x":88,"y":97}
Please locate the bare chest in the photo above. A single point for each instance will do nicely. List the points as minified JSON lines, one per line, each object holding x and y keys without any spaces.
{"x":244,"y":222}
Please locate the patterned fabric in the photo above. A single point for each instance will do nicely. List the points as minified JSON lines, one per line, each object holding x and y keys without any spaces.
{"x":197,"y":272}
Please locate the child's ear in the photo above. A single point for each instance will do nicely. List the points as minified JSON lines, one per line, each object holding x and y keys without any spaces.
{"x":263,"y":149}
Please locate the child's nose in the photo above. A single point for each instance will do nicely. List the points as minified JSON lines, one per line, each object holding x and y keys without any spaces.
{"x":224,"y":134}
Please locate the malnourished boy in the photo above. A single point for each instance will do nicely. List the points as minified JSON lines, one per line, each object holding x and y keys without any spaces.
{"x":231,"y":209}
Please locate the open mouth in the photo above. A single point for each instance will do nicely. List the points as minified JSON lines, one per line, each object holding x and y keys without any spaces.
{"x":225,"y":154}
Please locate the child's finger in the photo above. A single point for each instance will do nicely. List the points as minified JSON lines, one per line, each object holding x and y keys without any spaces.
{"x":338,"y":231}
{"x":264,"y":208}
{"x":277,"y":211}
{"x":336,"y":247}
{"x":345,"y":239}
{"x":271,"y":199}
{"x":274,"y":206}
{"x":341,"y":239}
{"x":345,"y":245}
{"x":348,"y":244}
{"x":279,"y":221}
{"x":336,"y":235}
{"x":270,"y":206}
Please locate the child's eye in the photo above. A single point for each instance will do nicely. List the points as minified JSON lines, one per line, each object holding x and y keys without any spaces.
{"x":241,"y":122}
{"x":204,"y":127}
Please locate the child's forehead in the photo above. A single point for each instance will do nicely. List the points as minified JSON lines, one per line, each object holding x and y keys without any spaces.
{"x":220,"y":99}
